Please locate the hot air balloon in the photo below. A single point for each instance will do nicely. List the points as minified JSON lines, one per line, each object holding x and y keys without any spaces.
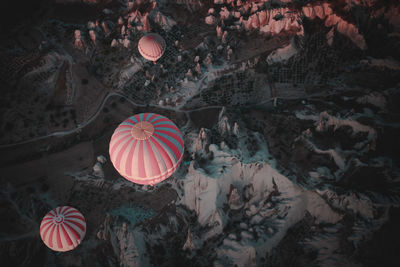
{"x":63,"y":228}
{"x":151,"y":46}
{"x":146,"y":148}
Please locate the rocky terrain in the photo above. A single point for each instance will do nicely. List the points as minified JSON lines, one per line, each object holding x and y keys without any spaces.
{"x":290,"y":117}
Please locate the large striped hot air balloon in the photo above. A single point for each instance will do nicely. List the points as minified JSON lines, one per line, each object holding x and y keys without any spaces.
{"x":63,"y":228}
{"x":151,"y":46}
{"x":146,"y":148}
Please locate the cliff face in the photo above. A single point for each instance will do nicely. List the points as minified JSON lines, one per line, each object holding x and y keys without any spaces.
{"x":259,"y":195}
{"x":289,"y":18}
{"x":325,"y":12}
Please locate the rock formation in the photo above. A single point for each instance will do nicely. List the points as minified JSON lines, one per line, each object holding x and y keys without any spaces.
{"x":164,"y":21}
{"x":219,"y":31}
{"x":198,"y":69}
{"x":92,"y":35}
{"x":145,"y":21}
{"x":78,"y":43}
{"x":236,"y":129}
{"x":114,"y":43}
{"x":210,"y":20}
{"x":276,"y":20}
{"x":202,"y":141}
{"x":189,"y":244}
{"x":235,"y":201}
{"x":224,"y":126}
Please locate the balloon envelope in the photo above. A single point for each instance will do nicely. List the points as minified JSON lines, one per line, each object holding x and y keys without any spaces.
{"x":63,"y":228}
{"x":146,"y":148}
{"x":151,"y":46}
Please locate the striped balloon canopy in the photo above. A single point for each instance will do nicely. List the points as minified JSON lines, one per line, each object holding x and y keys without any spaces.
{"x":146,"y":148}
{"x":151,"y":46}
{"x":63,"y":228}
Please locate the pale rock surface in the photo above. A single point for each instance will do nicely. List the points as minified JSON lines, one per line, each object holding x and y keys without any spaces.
{"x":224,"y":126}
{"x":374,"y":98}
{"x":164,"y":21}
{"x":205,"y":192}
{"x":114,"y":43}
{"x":224,"y":13}
{"x":105,"y":28}
{"x":274,"y":21}
{"x":107,"y":11}
{"x":189,"y":73}
{"x":219,"y":31}
{"x":146,"y":23}
{"x":78,"y":43}
{"x":202,"y":141}
{"x":92,"y":35}
{"x":210,"y":20}
{"x":286,"y":23}
{"x":235,"y":201}
{"x":126,"y":42}
{"x":326,"y":120}
{"x":330,"y":35}
{"x":236,"y":253}
{"x":102,"y":159}
{"x":120,"y":21}
{"x":198,"y":69}
{"x":98,"y":170}
{"x":208,"y":59}
{"x":357,"y":203}
{"x":189,"y":244}
{"x":133,"y":17}
{"x":282,"y":54}
{"x":91,"y":25}
{"x":225,"y":37}
{"x":324,"y":12}
{"x":229,"y":54}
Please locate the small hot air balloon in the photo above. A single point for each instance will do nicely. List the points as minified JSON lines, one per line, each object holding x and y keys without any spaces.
{"x":146,"y":148}
{"x":151,"y":46}
{"x":63,"y":228}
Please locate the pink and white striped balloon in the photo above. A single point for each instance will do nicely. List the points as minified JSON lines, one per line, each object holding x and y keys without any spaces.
{"x":151,"y":46}
{"x":146,"y":148}
{"x":63,"y":228}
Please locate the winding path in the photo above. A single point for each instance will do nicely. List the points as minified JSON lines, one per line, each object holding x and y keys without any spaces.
{"x":94,"y":116}
{"x":112,"y":94}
